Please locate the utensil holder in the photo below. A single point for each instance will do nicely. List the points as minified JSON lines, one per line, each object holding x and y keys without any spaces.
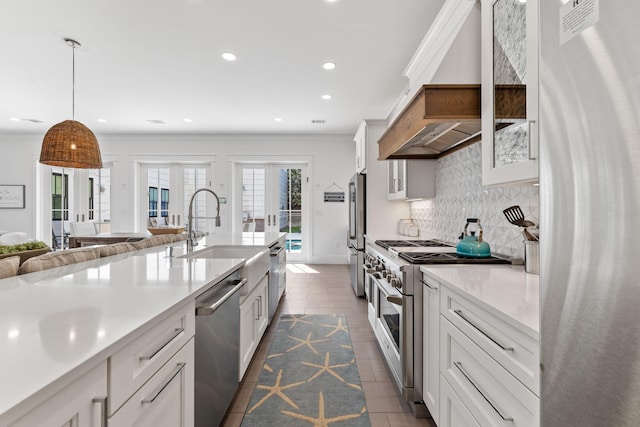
{"x":532,"y":256}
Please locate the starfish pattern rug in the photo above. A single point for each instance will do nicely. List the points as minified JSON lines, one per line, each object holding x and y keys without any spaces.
{"x":309,"y":377}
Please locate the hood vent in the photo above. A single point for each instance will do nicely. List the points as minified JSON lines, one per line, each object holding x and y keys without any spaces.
{"x":438,"y":120}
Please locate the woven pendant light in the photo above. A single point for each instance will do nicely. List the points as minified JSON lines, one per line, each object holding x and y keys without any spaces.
{"x":71,"y":144}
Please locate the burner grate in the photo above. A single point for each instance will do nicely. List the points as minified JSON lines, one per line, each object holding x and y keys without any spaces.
{"x":448,"y":258}
{"x":409,"y":243}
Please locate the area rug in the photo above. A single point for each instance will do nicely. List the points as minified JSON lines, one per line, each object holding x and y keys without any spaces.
{"x":309,"y":377}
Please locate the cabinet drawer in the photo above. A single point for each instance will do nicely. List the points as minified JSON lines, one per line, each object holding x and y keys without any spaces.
{"x":516,"y":351}
{"x":492,"y":395}
{"x":133,"y":365}
{"x":453,"y":413}
{"x":166,"y":400}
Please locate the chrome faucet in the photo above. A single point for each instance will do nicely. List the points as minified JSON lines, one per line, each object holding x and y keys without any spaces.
{"x":191,"y":239}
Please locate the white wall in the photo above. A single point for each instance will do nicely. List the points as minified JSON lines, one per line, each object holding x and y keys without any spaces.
{"x":332,"y":158}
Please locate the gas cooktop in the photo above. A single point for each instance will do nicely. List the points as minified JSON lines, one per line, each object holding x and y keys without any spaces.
{"x":409,"y":243}
{"x":433,"y":252}
{"x":447,"y":258}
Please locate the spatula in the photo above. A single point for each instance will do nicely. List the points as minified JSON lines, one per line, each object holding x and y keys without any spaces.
{"x":516,"y":217}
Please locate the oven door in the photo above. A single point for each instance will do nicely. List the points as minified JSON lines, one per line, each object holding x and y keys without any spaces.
{"x":394,"y":331}
{"x":370,"y":292}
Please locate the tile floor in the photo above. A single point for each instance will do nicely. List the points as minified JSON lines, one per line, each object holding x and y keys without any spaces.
{"x":327,"y":289}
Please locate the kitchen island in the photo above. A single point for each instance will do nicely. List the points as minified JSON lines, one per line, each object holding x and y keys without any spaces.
{"x":63,"y":324}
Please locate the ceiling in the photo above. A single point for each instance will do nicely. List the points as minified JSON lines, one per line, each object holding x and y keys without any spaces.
{"x":143,"y":60}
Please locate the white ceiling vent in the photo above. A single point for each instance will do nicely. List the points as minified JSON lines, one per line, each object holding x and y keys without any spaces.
{"x":157,"y":121}
{"x":318,"y":121}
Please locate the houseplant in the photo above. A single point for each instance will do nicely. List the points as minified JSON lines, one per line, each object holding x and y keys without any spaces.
{"x":24,"y":250}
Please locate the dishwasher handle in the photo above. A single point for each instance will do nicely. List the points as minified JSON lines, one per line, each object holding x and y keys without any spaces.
{"x":210,"y":309}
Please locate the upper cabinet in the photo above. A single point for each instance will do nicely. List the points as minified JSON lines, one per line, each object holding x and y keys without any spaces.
{"x":367,"y":134}
{"x":509,"y":91}
{"x":411,"y":179}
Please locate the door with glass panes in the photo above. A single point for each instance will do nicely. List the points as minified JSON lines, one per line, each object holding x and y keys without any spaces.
{"x":273,"y":198}
{"x":79,"y":195}
{"x":166,"y":191}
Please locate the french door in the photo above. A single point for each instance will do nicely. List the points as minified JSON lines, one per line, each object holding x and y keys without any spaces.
{"x":272,"y":197}
{"x":78,"y":195}
{"x":166,"y":191}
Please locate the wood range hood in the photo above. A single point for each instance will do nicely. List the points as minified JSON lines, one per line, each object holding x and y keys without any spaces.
{"x":438,"y":120}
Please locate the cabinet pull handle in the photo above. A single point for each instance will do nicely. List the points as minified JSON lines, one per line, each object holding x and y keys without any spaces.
{"x":166,"y":382}
{"x":495,"y":408}
{"x":259,"y":306}
{"x":157,"y":350}
{"x":495,"y":341}
{"x":429,"y":286}
{"x":102,"y":400}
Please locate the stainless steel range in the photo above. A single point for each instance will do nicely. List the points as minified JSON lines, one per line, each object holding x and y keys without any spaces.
{"x":394,"y":292}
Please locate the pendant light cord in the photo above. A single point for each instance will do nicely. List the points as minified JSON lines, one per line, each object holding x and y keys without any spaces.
{"x":73,"y":83}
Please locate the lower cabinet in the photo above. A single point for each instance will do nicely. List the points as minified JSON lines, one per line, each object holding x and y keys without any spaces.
{"x":431,"y":346}
{"x":453,"y":413}
{"x":491,"y":394}
{"x":166,"y":400}
{"x":254,"y":319}
{"x":80,"y":404}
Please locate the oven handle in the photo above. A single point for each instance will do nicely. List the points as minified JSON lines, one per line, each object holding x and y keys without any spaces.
{"x":394,"y":299}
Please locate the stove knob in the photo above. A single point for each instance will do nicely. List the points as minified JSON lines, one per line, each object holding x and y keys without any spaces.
{"x":390,"y":276}
{"x":395,"y":282}
{"x":384,"y":272}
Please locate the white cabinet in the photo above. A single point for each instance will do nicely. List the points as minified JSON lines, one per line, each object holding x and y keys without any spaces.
{"x":492,"y":395}
{"x":510,"y":101}
{"x":452,"y":410}
{"x":516,"y":351}
{"x":148,"y":350}
{"x":411,"y":179}
{"x":254,"y":319}
{"x":79,"y":404}
{"x":431,"y":346}
{"x":366,"y":140}
{"x":360,"y":138}
{"x":166,"y":399}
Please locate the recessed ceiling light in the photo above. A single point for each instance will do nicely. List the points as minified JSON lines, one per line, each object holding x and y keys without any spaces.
{"x":331,"y":1}
{"x":188,"y":120}
{"x":278,"y":119}
{"x":326,"y":97}
{"x":228,"y":56}
{"x":329,"y":65}
{"x":102,"y":120}
{"x":14,"y":119}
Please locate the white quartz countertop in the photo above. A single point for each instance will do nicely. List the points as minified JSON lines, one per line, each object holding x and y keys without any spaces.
{"x":507,"y":291}
{"x":57,"y":321}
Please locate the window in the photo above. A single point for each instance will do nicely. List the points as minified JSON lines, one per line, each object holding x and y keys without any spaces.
{"x":59,"y":196}
{"x":164,"y":202}
{"x":153,"y":202}
{"x":90,"y":198}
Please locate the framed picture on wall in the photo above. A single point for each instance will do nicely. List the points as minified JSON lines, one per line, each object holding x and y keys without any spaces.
{"x":11,"y":196}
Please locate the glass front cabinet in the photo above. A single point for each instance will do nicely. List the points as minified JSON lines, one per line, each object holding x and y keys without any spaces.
{"x":509,"y":92}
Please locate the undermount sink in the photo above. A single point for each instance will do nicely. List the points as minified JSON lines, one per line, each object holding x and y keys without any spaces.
{"x":224,"y":251}
{"x":256,"y":261}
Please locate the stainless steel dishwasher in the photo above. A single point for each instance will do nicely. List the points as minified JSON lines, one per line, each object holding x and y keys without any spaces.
{"x":277,"y":276}
{"x":217,"y":350}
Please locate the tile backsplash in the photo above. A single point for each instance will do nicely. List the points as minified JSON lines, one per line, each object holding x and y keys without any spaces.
{"x":461,"y":195}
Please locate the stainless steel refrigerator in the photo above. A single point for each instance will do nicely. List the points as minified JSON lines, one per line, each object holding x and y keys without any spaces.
{"x":590,"y":199}
{"x":357,"y":228}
